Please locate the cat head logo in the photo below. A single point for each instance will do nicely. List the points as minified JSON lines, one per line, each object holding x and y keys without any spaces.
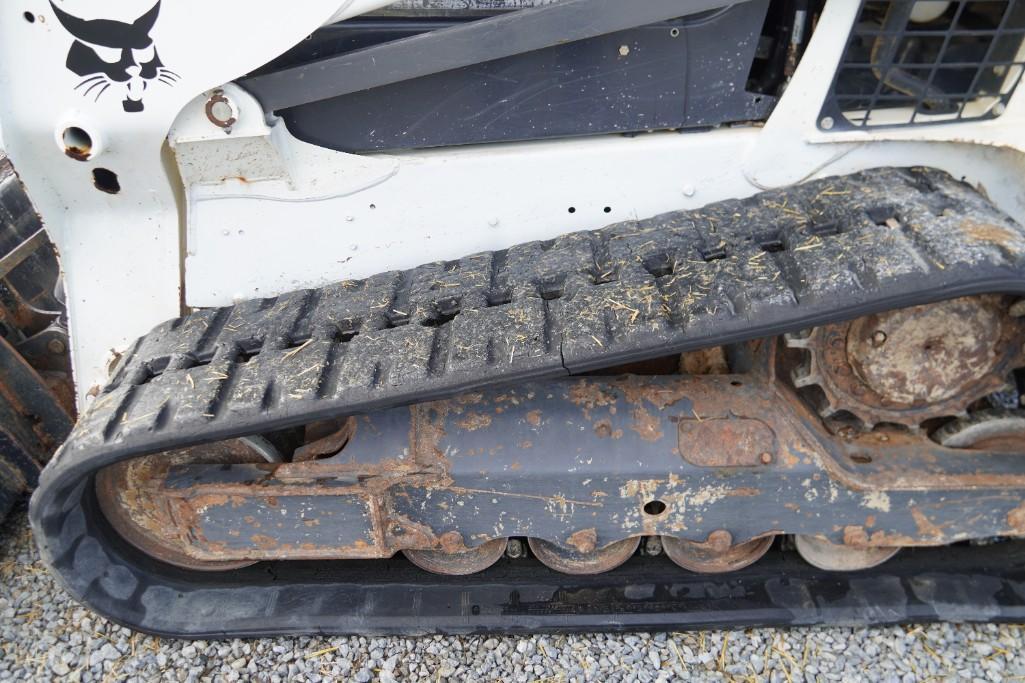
{"x":112,"y":53}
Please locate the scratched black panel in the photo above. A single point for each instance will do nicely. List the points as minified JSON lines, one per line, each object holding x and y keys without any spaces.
{"x":684,"y":73}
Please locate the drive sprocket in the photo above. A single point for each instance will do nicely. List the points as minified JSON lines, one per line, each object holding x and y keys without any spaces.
{"x":911,"y":365}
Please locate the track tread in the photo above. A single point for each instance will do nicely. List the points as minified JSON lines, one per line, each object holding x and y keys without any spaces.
{"x":540,"y":309}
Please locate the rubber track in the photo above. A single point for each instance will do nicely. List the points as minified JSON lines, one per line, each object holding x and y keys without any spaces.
{"x":780,"y":261}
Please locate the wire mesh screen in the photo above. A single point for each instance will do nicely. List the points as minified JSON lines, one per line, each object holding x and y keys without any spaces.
{"x":910,"y":63}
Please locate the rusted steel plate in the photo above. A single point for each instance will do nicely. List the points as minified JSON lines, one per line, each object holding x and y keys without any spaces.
{"x":582,"y":464}
{"x":730,"y":442}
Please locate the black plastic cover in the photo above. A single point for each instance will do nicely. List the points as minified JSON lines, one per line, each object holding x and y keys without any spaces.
{"x":686,"y":73}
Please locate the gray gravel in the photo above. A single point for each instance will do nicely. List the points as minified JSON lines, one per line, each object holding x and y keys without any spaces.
{"x":44,"y":635}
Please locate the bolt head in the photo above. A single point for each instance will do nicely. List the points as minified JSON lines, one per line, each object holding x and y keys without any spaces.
{"x":827,"y":123}
{"x":56,"y":346}
{"x":514,"y":548}
{"x":878,"y":338}
{"x":624,"y":50}
{"x":766,"y":458}
{"x":653,"y":546}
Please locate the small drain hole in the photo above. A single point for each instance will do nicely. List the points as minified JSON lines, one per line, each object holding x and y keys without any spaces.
{"x":654,"y":507}
{"x":106,"y":180}
{"x":78,"y":144}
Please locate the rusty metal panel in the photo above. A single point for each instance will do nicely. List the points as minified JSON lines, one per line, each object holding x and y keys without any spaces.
{"x":592,"y":462}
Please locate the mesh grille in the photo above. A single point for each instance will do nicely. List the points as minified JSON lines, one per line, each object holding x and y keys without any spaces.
{"x":911,"y":63}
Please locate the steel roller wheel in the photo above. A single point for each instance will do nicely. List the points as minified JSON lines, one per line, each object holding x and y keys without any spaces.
{"x":458,"y":563}
{"x":833,"y":557}
{"x":591,"y":561}
{"x":717,"y":554}
{"x":123,"y":496}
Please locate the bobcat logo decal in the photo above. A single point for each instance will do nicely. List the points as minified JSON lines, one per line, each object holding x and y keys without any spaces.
{"x":107,"y":52}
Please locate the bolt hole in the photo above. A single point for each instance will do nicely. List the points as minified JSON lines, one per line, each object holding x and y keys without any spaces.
{"x":106,"y":180}
{"x":373,"y":206}
{"x":607,"y":209}
{"x":674,"y":33}
{"x":861,"y":459}
{"x":78,"y":144}
{"x":572,"y":209}
{"x":29,"y":17}
{"x":654,"y":507}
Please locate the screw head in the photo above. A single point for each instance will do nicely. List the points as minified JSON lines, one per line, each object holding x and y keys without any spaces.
{"x":765,"y":457}
{"x":878,"y":338}
{"x":826,"y":123}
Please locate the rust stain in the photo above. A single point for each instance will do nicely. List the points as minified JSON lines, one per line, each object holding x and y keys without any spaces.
{"x":534,"y":418}
{"x":584,"y":541}
{"x":647,"y":426}
{"x":473,"y":421}
{"x":925,"y":526}
{"x":590,"y":395}
{"x":264,"y":542}
{"x":1016,"y":519}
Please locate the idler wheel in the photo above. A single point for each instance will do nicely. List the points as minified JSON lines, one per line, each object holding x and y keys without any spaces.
{"x":834,"y":557}
{"x":717,"y":554}
{"x":460,"y":563}
{"x":126,"y":497}
{"x":593,"y":561}
{"x":914,"y":364}
{"x":1000,"y":431}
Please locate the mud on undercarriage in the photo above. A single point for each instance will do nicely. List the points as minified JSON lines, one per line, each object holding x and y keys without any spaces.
{"x":428,"y":412}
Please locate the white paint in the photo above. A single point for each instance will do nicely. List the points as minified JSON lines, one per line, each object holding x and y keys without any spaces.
{"x":876,"y":500}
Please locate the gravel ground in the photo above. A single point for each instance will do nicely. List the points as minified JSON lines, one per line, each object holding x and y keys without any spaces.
{"x":44,"y":635}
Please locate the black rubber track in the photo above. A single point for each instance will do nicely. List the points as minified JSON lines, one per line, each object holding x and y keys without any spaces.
{"x":781,"y":261}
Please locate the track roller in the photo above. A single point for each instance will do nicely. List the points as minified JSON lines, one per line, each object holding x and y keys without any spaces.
{"x":833,"y":557}
{"x":593,"y":561}
{"x":717,"y":554}
{"x":458,"y":564}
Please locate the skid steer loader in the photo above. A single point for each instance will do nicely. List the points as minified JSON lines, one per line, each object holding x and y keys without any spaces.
{"x":531,"y":315}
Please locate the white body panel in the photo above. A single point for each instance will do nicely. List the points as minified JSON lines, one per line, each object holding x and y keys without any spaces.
{"x":253,"y":212}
